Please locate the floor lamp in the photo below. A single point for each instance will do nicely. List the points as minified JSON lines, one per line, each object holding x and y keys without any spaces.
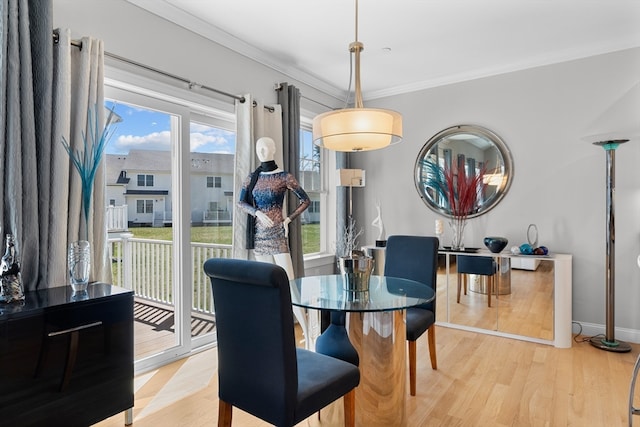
{"x":617,"y":124}
{"x":609,"y":341}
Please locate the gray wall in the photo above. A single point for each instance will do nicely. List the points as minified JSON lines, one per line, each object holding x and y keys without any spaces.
{"x":133,"y":33}
{"x":541,"y":114}
{"x":559,"y":183}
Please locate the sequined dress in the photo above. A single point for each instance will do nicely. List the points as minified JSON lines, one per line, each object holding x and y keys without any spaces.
{"x":268,"y":195}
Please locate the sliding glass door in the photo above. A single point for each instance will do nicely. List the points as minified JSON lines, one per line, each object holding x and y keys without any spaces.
{"x":170,"y":201}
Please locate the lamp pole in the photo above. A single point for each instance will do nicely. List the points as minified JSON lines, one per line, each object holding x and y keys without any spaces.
{"x":609,"y":342}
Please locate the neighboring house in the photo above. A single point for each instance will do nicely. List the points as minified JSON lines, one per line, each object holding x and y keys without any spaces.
{"x":310,"y":181}
{"x":141,"y":181}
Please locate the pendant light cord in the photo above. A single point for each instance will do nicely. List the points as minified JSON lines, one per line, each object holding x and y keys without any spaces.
{"x":354,"y":49}
{"x":356,"y":21}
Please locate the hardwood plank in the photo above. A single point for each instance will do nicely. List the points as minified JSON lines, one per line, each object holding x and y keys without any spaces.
{"x":481,"y":380}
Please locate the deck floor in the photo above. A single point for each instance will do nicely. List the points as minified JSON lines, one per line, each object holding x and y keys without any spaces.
{"x":154,"y":327}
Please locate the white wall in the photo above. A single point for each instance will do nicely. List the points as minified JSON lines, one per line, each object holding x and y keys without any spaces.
{"x":559,"y":180}
{"x":540,"y":113}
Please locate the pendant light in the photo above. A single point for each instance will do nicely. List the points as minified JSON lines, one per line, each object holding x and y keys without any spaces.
{"x":358,"y":128}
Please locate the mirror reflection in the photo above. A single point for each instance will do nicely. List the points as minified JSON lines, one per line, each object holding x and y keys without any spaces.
{"x":524,"y":304}
{"x":458,"y":155}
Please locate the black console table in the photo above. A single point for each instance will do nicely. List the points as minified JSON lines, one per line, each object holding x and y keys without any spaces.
{"x":65,"y":359}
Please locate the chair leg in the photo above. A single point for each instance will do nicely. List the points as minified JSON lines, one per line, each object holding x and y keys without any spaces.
{"x":459,"y":284}
{"x":412,"y":367}
{"x":224,"y":414}
{"x":350,"y":408}
{"x":489,"y":288}
{"x":431,"y":335}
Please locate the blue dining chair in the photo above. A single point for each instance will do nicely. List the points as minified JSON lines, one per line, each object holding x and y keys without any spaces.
{"x":416,"y":258}
{"x":260,"y":369}
{"x":478,"y":265}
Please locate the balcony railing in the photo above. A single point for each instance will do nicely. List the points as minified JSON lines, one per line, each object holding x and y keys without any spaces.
{"x":116,"y":218}
{"x":216,"y":217}
{"x":146,"y":267}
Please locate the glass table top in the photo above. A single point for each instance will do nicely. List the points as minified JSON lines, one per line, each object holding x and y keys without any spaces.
{"x":385,"y":294}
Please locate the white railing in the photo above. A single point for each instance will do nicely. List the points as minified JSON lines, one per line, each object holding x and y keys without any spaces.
{"x":216,"y":217}
{"x":145,"y":266}
{"x":117,"y":218}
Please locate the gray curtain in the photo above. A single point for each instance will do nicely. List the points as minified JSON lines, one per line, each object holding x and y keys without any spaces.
{"x":289,"y":100}
{"x":37,"y":104}
{"x":26,"y":59}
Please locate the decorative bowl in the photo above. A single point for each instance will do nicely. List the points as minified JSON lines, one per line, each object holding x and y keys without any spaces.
{"x":495,"y":244}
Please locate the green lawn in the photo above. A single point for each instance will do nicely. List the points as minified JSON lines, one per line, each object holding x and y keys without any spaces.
{"x":223,"y":235}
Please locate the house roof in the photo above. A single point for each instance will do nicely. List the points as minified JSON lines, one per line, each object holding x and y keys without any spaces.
{"x":114,"y":164}
{"x":156,"y":161}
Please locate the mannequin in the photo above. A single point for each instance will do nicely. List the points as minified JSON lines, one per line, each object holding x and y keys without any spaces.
{"x":270,"y":243}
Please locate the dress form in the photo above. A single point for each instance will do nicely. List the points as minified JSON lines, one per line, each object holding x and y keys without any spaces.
{"x":265,"y":150}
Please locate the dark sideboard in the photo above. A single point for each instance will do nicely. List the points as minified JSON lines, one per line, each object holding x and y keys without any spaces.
{"x":66,"y":360}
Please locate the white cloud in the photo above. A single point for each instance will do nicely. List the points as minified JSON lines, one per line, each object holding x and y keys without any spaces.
{"x":152,"y":141}
{"x":199,"y":140}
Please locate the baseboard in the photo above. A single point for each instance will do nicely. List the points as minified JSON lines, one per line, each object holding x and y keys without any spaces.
{"x":591,"y":329}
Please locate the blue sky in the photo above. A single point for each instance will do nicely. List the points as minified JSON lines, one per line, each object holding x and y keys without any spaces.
{"x":145,"y":129}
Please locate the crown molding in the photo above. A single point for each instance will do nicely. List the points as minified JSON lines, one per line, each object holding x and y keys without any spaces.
{"x":194,"y":24}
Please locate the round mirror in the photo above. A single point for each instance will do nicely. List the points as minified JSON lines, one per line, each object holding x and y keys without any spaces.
{"x":464,"y":171}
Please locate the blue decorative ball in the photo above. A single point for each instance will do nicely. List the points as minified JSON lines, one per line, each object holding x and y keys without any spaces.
{"x":526,"y":249}
{"x":495,"y":244}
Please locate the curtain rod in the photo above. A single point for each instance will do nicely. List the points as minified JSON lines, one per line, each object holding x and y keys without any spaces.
{"x":191,"y":84}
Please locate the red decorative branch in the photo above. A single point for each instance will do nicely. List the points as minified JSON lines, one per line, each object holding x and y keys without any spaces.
{"x":462,"y":191}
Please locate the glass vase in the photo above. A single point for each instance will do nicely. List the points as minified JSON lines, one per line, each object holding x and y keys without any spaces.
{"x":79,"y":258}
{"x":457,"y":231}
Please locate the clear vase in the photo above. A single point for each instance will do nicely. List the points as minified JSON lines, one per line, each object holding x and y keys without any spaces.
{"x":79,"y":258}
{"x":457,"y":230}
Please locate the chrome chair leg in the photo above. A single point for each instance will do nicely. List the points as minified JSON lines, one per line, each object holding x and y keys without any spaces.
{"x":128,"y":417}
{"x":633,"y":411}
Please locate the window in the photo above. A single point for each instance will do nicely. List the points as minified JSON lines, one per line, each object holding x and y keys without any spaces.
{"x":314,"y":207}
{"x":152,"y":189}
{"x":145,"y":180}
{"x":112,"y":202}
{"x":311,"y":181}
{"x":144,"y":206}
{"x":214,"y":181}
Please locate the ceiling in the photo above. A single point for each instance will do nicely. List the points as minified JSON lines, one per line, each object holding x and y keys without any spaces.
{"x":408,"y":44}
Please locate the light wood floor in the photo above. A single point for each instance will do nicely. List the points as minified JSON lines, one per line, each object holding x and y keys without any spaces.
{"x":481,"y":380}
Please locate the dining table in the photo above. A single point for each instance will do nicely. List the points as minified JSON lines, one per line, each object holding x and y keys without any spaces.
{"x":375,"y":324}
